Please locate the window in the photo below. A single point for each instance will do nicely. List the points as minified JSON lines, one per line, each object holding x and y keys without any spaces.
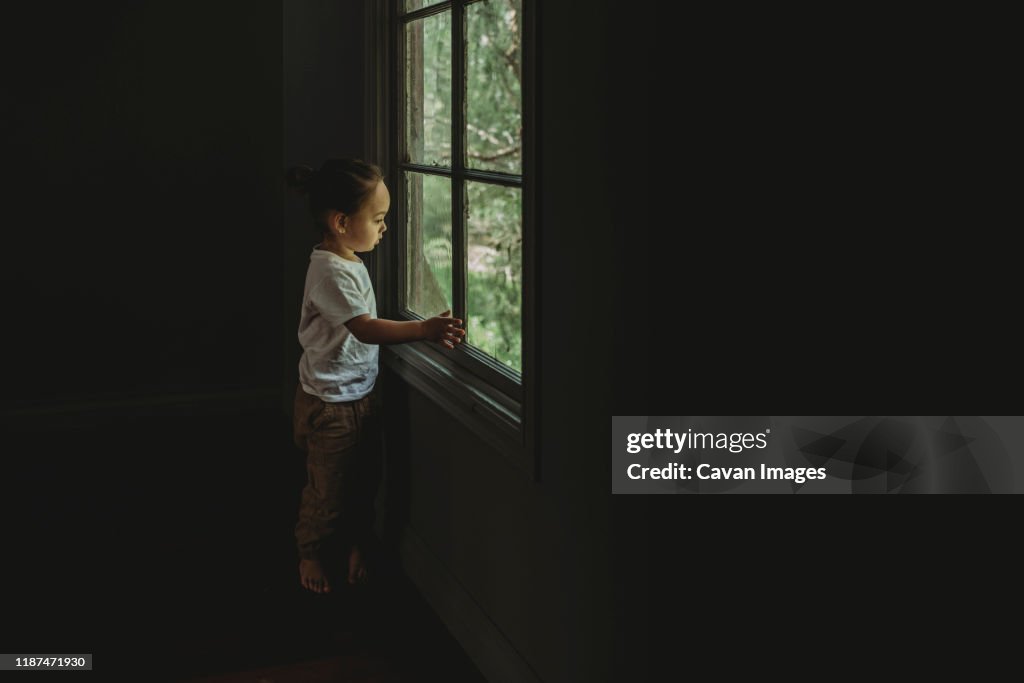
{"x":454,"y":87}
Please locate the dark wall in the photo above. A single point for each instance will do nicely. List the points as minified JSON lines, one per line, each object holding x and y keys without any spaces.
{"x":141,"y":259}
{"x":142,"y":205}
{"x":324,"y":64}
{"x":638,"y":223}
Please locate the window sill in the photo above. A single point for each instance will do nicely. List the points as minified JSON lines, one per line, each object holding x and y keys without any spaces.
{"x":485,"y":411}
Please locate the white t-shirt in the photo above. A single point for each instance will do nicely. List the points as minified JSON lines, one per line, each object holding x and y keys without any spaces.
{"x":335,"y":366}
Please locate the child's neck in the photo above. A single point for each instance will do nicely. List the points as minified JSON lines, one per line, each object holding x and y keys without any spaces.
{"x":335,"y":248}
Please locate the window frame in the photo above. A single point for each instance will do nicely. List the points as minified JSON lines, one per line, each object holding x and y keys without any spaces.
{"x":476,"y":389}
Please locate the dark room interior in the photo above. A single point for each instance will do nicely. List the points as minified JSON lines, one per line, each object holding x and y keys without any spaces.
{"x":795,"y":214}
{"x":154,"y":266}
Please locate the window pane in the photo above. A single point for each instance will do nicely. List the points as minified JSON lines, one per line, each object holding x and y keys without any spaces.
{"x":412,"y":5}
{"x":494,"y":86}
{"x":429,"y":238}
{"x":495,"y":271}
{"x":428,"y":90}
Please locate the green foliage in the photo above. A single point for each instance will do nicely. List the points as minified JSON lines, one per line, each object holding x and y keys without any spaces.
{"x":494,"y":86}
{"x":494,"y":294}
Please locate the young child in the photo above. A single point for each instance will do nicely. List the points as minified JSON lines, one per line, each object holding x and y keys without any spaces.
{"x":337,"y":408}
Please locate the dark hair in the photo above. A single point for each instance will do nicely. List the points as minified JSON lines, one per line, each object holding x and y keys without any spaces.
{"x":340,"y":184}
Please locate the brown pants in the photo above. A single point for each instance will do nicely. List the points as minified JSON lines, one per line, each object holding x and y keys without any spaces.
{"x":343,"y":462}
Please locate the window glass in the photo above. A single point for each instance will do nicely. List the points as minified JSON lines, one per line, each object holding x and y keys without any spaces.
{"x":494,"y":86}
{"x":494,"y":271}
{"x":428,"y":90}
{"x":429,"y":244}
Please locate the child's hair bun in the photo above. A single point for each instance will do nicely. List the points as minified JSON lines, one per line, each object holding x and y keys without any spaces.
{"x":299,"y":179}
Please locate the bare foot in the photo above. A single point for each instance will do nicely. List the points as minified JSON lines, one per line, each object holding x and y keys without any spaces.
{"x":312,"y":576}
{"x":356,"y":566}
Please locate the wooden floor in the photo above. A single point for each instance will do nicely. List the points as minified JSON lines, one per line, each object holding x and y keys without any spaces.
{"x":163,"y":545}
{"x":370,"y":637}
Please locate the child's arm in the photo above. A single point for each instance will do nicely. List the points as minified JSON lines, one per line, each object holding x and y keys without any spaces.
{"x":442,"y":329}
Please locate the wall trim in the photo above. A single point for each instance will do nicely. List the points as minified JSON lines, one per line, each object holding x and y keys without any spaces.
{"x":484,"y":643}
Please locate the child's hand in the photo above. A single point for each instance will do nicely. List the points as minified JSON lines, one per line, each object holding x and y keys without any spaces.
{"x":444,"y":329}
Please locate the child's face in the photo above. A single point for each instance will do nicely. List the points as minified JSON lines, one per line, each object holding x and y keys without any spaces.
{"x":363,"y":229}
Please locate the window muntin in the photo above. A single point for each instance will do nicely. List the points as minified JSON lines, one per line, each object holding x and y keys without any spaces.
{"x":413,"y":5}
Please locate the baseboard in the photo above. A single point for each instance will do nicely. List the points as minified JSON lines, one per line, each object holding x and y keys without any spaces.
{"x":483,"y":642}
